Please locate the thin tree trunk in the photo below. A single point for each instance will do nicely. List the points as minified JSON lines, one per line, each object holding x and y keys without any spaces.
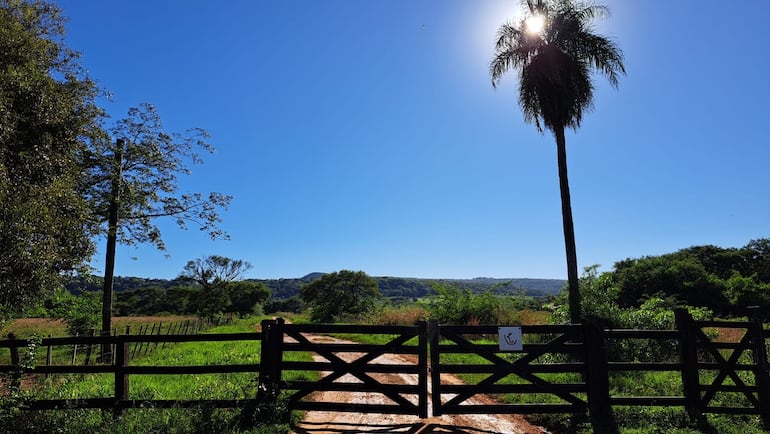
{"x":569,"y":230}
{"x":112,"y":238}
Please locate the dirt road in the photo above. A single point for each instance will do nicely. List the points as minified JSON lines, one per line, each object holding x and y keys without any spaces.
{"x":317,"y":422}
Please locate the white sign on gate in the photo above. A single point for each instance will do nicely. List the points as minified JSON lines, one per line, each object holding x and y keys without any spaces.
{"x":510,"y":338}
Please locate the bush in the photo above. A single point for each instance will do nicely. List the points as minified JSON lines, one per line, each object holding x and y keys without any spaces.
{"x":453,"y":305}
{"x":402,"y":315}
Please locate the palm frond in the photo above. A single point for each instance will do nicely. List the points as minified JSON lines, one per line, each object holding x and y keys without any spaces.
{"x":555,"y":87}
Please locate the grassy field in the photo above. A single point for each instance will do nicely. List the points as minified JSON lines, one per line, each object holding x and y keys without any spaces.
{"x":26,"y":327}
{"x":195,"y":420}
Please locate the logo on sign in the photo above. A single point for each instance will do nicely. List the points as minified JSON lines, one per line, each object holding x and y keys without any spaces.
{"x":510,"y":338}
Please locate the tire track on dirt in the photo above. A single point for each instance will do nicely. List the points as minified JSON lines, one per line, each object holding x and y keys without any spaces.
{"x":320,"y":422}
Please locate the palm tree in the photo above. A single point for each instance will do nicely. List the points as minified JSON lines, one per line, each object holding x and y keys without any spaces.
{"x":554,"y":50}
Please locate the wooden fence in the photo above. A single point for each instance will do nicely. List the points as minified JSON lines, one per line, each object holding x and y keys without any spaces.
{"x":84,"y":352}
{"x":707,"y":368}
{"x":122,"y":370}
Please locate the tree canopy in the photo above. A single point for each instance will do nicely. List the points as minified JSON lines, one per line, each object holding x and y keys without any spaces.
{"x":48,"y":116}
{"x":338,"y":294}
{"x":217,"y":277}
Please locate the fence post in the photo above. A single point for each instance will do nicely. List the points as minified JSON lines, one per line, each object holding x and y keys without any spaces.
{"x":138,"y":345}
{"x":688,"y":352}
{"x":148,"y":343}
{"x":15,"y":362}
{"x":48,"y":354}
{"x":422,"y":362}
{"x":121,"y":377}
{"x":75,"y":351}
{"x":597,"y":378}
{"x":435,"y":371}
{"x":14,"y":350}
{"x":761,"y":366}
{"x":89,"y":347}
{"x":160,"y":328}
{"x":270,"y":363}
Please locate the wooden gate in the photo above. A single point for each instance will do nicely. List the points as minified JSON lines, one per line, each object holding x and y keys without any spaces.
{"x":717,"y":371}
{"x":352,"y":368}
{"x":547,"y":369}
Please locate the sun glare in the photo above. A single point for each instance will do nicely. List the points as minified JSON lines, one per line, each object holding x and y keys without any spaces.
{"x":535,"y":24}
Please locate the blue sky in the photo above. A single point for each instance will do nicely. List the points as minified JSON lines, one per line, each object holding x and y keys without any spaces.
{"x":366,"y":135}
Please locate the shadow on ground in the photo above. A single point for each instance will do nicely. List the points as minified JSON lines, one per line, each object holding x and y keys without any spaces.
{"x":410,"y":428}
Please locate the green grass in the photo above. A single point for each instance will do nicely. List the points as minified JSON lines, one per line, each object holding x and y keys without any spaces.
{"x":196,"y":420}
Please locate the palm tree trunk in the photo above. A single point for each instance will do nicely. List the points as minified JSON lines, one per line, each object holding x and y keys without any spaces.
{"x":569,"y":230}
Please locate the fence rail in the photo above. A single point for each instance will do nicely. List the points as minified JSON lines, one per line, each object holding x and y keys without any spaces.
{"x":122,"y":370}
{"x":585,"y":353}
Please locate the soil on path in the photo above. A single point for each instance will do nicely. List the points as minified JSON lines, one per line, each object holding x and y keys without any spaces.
{"x":318,"y":422}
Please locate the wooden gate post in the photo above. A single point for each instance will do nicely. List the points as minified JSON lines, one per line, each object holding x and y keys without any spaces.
{"x":422,"y":362}
{"x":597,"y":378}
{"x":761,"y":366}
{"x":435,"y":370}
{"x":688,"y":352}
{"x":270,"y":363}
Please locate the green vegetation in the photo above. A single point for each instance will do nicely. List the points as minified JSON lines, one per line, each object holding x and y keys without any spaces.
{"x":341,"y":294}
{"x":47,"y":113}
{"x":196,"y":420}
{"x":220,"y":290}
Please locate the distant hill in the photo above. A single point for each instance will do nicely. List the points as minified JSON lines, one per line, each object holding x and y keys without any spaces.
{"x":408,"y":287}
{"x":392,"y":287}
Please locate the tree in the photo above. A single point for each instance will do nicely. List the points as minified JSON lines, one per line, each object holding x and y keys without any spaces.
{"x":47,"y":115}
{"x":554,"y":65}
{"x":342,"y":293}
{"x":246,"y":296}
{"x":134,"y":181}
{"x":213,"y":274}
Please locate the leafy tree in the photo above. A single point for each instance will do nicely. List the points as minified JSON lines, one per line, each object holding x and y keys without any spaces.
{"x":293,"y":304}
{"x":213,"y":274}
{"x":246,"y":297}
{"x":47,"y":115}
{"x":554,"y":66}
{"x":757,"y":253}
{"x":134,"y":181}
{"x":80,"y":312}
{"x":680,"y":276}
{"x":340,"y":294}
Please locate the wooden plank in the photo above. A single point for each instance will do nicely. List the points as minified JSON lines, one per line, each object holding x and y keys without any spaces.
{"x":533,"y":368}
{"x":192,"y":370}
{"x":351,"y":348}
{"x":517,"y":388}
{"x":371,"y":367}
{"x":63,"y":369}
{"x":351,"y":329}
{"x":514,"y":409}
{"x":411,"y":389}
{"x":355,"y":408}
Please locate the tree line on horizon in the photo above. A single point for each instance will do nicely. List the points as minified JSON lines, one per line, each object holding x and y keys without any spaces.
{"x":723,"y":280}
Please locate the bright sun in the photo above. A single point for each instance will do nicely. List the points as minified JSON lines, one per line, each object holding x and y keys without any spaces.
{"x":535,"y":24}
